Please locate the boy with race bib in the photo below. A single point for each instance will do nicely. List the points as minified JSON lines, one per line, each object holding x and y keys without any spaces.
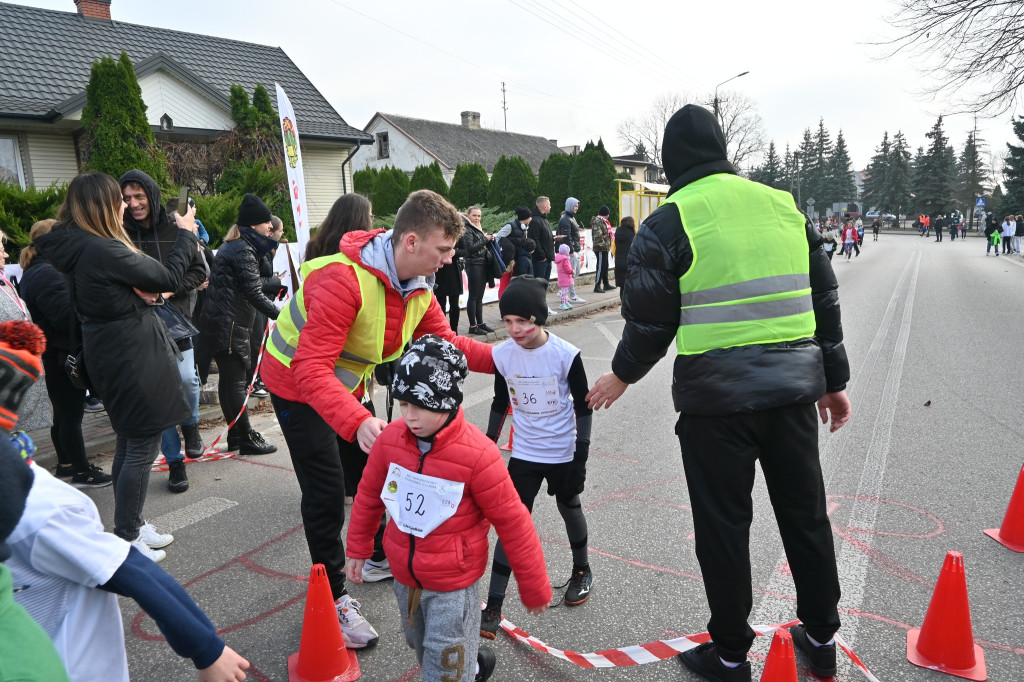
{"x":542,"y":378}
{"x":443,"y":484}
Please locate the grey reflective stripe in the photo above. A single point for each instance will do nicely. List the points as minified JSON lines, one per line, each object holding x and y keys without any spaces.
{"x":279,"y":343}
{"x":345,"y":355}
{"x":350,"y":379}
{"x":746,"y":312}
{"x":293,"y":310}
{"x":765,"y":286}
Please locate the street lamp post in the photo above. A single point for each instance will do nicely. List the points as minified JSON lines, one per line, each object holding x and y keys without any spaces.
{"x":796,"y":162}
{"x":723,"y":83}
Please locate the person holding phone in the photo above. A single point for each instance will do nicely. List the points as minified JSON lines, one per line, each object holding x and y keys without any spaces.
{"x":152,"y":230}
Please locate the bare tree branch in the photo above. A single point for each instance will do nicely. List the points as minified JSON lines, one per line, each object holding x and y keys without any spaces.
{"x":649,"y":128}
{"x":972,"y":47}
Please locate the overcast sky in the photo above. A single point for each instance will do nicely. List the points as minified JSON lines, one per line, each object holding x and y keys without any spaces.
{"x":573,"y":69}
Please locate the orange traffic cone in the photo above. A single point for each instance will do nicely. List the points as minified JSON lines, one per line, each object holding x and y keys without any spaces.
{"x":781,"y":663}
{"x":322,"y":654}
{"x":946,"y":642}
{"x":511,"y":431}
{"x":1011,"y":533}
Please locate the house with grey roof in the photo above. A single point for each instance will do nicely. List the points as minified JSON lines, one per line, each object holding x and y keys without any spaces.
{"x":406,"y":143}
{"x":45,"y":60}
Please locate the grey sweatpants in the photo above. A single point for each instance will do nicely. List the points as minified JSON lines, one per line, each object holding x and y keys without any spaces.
{"x":445,"y":632}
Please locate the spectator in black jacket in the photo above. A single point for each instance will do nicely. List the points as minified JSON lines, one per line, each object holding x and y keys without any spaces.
{"x":236,"y":292}
{"x":129,"y":355}
{"x":624,"y":234}
{"x":540,"y":232}
{"x":740,"y":402}
{"x":478,"y":269}
{"x":153,"y":231}
{"x":46,"y":295}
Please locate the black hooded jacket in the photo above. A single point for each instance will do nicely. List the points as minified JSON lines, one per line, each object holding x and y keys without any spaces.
{"x":540,"y":232}
{"x":726,"y":381}
{"x":130,"y":357}
{"x":157,"y":240}
{"x":235,"y":293}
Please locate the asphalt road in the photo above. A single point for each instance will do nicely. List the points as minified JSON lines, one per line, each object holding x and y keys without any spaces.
{"x":928,"y":462}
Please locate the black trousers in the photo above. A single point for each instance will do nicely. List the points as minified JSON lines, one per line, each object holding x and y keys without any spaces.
{"x":450,"y":305}
{"x":477,"y":276}
{"x":718,"y":457}
{"x":231,"y":391}
{"x":259,"y":326}
{"x":316,"y":452}
{"x":601,"y":274}
{"x":68,"y":409}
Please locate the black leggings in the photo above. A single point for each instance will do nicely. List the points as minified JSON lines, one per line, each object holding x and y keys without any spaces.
{"x":68,"y":408}
{"x":450,"y":305}
{"x":476,"y":273}
{"x":231,"y":390}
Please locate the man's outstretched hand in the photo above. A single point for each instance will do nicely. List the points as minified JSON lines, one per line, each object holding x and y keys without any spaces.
{"x":837,"y":405}
{"x":606,"y":391}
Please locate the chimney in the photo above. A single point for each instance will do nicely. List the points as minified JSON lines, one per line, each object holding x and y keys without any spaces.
{"x":554,"y":142}
{"x":471,"y":119}
{"x":94,"y":9}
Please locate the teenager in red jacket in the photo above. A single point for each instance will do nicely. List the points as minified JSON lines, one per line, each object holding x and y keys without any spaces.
{"x":356,"y":309}
{"x":444,"y":484}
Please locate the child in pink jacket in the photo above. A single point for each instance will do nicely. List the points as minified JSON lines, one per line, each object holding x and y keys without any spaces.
{"x":565,"y":280}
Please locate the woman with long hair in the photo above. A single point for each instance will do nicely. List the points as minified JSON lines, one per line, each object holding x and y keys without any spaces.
{"x":624,"y":234}
{"x":46,"y":296}
{"x":129,"y":356}
{"x":349,"y":213}
{"x":234,"y":296}
{"x":477,"y":245}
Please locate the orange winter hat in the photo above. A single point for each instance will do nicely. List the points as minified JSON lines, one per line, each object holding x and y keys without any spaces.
{"x":21,"y":347}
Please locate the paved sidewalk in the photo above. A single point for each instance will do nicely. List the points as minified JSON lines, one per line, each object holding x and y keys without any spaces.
{"x":100,"y":438}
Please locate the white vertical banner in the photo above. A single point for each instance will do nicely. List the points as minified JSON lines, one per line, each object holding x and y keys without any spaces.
{"x":293,"y":164}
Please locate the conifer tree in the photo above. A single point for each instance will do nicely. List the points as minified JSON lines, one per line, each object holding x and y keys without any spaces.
{"x":363,"y":181}
{"x":971,"y":176}
{"x":816,"y":178}
{"x":805,"y":181}
{"x":840,"y":172}
{"x":592,"y":181}
{"x":878,"y":176}
{"x":469,"y":186}
{"x":118,"y":136}
{"x":429,"y":177}
{"x":553,"y":180}
{"x":935,"y":195}
{"x":770,"y":172}
{"x":390,"y":191}
{"x":900,"y":176}
{"x":1013,"y":200}
{"x":512,"y":184}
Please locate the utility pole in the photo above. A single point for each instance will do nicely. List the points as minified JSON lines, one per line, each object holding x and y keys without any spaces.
{"x":974,"y":209}
{"x":504,"y":105}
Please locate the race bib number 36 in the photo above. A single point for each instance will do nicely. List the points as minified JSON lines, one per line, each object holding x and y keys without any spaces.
{"x":535,"y":396}
{"x":418,"y":504}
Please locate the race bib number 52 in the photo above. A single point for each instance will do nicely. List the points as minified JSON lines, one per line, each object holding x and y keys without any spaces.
{"x":418,"y":504}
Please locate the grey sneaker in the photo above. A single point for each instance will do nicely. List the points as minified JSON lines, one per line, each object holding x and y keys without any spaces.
{"x":358,"y":633}
{"x":374,"y":572}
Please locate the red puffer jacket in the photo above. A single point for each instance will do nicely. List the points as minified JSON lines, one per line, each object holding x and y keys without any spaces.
{"x":332,"y":298}
{"x":454,"y":555}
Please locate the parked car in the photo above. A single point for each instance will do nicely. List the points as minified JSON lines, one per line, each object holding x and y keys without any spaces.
{"x":871,"y":215}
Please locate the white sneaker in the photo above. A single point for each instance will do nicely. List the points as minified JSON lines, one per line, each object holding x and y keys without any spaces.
{"x":154,"y":539}
{"x":154,"y":555}
{"x":374,"y":572}
{"x":357,"y":632}
{"x":551,"y":312}
{"x":577,"y":300}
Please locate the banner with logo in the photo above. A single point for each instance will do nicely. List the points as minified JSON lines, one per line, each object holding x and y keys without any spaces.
{"x":293,"y":164}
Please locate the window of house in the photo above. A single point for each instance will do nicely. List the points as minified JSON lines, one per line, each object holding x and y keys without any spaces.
{"x":383,"y":149}
{"x":628,"y":169}
{"x":10,"y":161}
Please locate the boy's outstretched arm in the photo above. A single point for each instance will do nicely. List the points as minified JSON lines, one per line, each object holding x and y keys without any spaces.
{"x":578,"y":387}
{"x":499,"y":407}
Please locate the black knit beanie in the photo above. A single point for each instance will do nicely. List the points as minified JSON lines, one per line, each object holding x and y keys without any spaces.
{"x":526,"y":296}
{"x":522,"y":213}
{"x":431,"y":375}
{"x":603,"y":211}
{"x":253,"y":211}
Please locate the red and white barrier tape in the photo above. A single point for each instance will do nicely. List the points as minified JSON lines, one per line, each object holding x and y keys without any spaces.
{"x":651,"y":652}
{"x":212,"y":452}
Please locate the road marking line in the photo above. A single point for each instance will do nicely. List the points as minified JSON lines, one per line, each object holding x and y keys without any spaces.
{"x":607,"y":334}
{"x":193,"y":513}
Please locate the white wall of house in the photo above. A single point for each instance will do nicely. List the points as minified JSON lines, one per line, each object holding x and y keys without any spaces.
{"x":322,"y":169}
{"x":403,"y":153}
{"x":52,"y":158}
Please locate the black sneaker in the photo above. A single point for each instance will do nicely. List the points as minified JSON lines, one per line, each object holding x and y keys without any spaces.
{"x":253,"y":444}
{"x":486,"y":660}
{"x":704,"y":661}
{"x":194,"y":447}
{"x":486,"y":329}
{"x":579,"y":586}
{"x":477,"y":331}
{"x":93,"y":477}
{"x":64,"y":473}
{"x":823,"y":658}
{"x":598,"y":290}
{"x":178,"y":480}
{"x":490,"y":621}
{"x":609,"y":287}
{"x":93,"y":404}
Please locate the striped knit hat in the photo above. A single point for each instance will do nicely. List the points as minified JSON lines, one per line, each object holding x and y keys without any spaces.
{"x":21,"y":347}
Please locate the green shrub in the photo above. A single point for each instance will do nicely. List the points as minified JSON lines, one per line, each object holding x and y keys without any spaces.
{"x":592,"y":181}
{"x":553,"y":180}
{"x":117,"y":136}
{"x":512,"y":184}
{"x":21,"y":208}
{"x":469,"y":186}
{"x":363,"y":181}
{"x":218,"y":212}
{"x":390,"y":190}
{"x":493,"y":219}
{"x":429,"y":177}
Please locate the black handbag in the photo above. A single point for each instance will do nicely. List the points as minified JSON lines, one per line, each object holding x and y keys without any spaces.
{"x":177,"y":324}
{"x":74,"y":363}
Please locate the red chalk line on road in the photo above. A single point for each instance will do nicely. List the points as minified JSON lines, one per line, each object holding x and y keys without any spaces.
{"x":652,"y":652}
